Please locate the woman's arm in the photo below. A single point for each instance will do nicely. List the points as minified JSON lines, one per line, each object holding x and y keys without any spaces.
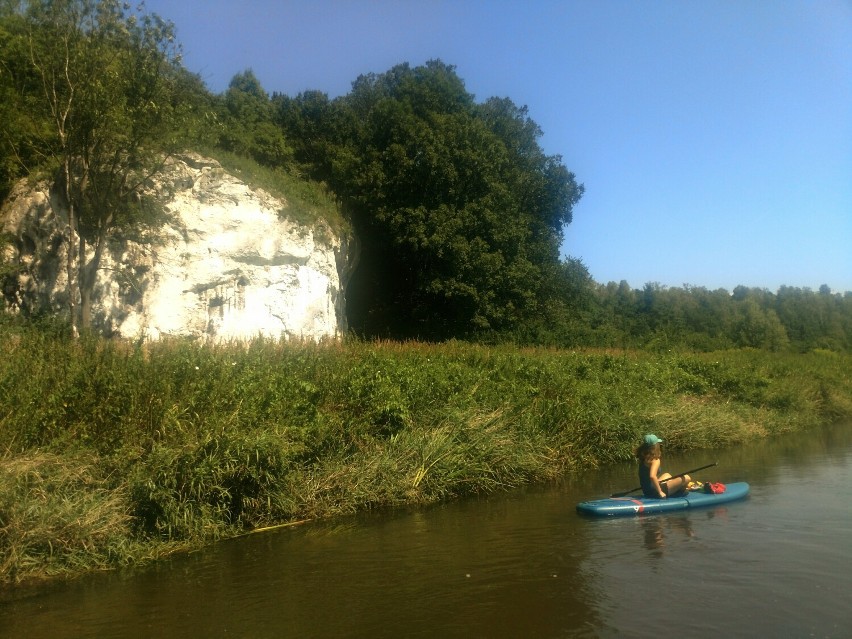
{"x":655,"y":468}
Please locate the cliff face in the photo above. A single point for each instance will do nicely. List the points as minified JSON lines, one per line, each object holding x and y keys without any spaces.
{"x":229,"y":266}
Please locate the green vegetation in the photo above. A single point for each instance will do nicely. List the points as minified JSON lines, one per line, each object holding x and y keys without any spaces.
{"x":97,"y":99}
{"x":308,"y":203}
{"x":458,"y":212}
{"x":583,"y":313}
{"x":113,"y":454}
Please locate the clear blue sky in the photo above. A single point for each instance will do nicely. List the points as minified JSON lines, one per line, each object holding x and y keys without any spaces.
{"x":714,"y":138}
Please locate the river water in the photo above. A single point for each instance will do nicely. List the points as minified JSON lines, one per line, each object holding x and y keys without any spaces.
{"x":523,"y":564}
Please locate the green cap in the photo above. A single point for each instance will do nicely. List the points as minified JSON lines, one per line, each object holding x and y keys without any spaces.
{"x":652,"y":440}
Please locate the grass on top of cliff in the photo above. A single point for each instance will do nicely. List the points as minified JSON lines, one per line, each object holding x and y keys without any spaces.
{"x":111,"y":453}
{"x":308,"y":201}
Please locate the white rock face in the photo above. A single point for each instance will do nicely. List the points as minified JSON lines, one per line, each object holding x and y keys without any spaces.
{"x":230,"y":267}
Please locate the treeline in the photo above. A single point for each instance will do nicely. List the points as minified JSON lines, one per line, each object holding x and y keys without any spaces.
{"x":696,"y":318}
{"x":458,"y":211}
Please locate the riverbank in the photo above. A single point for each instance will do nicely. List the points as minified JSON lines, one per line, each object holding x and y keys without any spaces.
{"x":114,"y":455}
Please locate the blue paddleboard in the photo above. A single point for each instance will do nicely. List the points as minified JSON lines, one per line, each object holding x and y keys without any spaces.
{"x":624,"y":506}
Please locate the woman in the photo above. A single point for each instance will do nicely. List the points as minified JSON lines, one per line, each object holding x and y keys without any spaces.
{"x":661,"y":486}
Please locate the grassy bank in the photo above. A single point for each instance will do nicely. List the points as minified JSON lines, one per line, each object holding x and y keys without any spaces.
{"x":112,"y":455}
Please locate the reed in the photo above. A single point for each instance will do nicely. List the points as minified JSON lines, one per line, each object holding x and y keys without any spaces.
{"x":59,"y":516}
{"x":113,"y":454}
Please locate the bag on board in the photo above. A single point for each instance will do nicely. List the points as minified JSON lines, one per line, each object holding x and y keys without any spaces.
{"x":714,"y":487}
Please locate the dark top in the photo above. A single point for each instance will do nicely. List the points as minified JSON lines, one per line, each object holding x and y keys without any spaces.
{"x":648,"y":487}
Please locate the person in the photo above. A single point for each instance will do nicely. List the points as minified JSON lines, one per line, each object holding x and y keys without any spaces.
{"x":653,"y":484}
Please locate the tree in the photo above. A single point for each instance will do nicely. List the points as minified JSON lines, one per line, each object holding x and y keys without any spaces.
{"x":249,"y":129}
{"x":459,"y":211}
{"x":812,"y":320}
{"x":571,"y":312}
{"x":314,"y":127}
{"x":116,"y":103}
{"x":20,"y":134}
{"x":759,"y":328}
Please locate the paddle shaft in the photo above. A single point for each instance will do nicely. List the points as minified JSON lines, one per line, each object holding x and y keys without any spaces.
{"x":663,"y":481}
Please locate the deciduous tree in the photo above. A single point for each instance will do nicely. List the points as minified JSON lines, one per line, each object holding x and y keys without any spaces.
{"x":248,"y":124}
{"x":459,"y":211}
{"x":111,"y":103}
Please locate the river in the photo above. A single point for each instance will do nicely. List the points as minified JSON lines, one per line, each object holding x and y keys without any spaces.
{"x":522,"y":564}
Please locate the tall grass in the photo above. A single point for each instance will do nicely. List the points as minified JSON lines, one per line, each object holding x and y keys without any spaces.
{"x":113,"y":453}
{"x":58,"y":516}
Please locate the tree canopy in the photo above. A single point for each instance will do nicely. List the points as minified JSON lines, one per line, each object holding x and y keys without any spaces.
{"x":459,"y":211}
{"x":247,"y":123}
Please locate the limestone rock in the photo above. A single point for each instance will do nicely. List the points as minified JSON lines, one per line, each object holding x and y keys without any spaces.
{"x":230,"y":266}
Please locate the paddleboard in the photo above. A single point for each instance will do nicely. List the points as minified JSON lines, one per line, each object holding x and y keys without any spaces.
{"x":630,"y":506}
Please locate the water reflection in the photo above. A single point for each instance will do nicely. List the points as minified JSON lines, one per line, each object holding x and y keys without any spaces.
{"x":513,"y":565}
{"x":656,"y":529}
{"x":784,"y":548}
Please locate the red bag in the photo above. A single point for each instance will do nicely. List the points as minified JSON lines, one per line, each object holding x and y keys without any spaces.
{"x":714,"y":487}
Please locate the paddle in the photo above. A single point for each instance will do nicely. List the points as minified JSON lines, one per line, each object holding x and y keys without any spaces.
{"x":663,"y":481}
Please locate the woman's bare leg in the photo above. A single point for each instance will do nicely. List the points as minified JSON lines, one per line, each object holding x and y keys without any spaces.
{"x":675,"y":485}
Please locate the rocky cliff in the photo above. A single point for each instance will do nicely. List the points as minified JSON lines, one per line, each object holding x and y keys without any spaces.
{"x":229,"y":266}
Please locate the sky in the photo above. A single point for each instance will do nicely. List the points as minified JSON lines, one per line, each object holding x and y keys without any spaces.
{"x":713,"y":137}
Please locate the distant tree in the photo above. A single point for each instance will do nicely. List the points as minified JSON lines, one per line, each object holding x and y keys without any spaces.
{"x":694,"y":318}
{"x":248,"y":126}
{"x":616,"y":315}
{"x":759,"y":328}
{"x":813,"y":320}
{"x":570,"y":312}
{"x":111,"y":103}
{"x":708,"y":318}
